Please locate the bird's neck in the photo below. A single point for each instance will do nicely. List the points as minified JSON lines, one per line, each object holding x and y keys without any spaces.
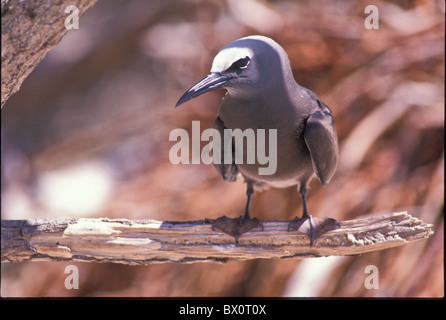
{"x":263,"y":110}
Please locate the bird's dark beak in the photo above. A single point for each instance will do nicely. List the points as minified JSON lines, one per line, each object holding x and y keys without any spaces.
{"x":213,"y":80}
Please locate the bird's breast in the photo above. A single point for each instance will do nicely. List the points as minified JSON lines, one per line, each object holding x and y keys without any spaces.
{"x":278,"y":145}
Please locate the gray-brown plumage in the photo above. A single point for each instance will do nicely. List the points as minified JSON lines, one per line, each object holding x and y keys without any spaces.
{"x":262,"y":94}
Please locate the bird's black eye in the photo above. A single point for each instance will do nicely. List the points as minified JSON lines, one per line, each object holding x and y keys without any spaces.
{"x":240,"y":64}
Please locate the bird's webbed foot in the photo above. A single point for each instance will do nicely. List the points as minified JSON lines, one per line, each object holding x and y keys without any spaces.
{"x":313,"y":227}
{"x":236,"y":226}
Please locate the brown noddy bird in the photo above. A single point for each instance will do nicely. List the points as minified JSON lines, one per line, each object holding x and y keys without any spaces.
{"x":262,"y":94}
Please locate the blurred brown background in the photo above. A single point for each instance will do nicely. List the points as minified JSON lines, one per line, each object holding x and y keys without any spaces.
{"x":88,"y":136}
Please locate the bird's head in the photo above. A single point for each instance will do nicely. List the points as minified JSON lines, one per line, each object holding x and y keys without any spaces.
{"x":247,"y":66}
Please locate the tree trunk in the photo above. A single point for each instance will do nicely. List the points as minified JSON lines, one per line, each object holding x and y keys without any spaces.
{"x":29,"y":30}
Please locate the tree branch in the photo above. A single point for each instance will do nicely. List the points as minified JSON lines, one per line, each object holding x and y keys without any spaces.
{"x":29,"y":30}
{"x":140,"y":242}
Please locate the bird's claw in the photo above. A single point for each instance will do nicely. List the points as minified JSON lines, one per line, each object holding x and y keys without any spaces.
{"x":313,"y":227}
{"x":236,"y":226}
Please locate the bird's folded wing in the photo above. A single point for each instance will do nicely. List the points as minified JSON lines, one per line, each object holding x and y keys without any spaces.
{"x":321,"y":140}
{"x":228,"y":171}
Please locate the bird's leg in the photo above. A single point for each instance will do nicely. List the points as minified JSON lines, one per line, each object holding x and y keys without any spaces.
{"x":297,"y":222}
{"x":317,"y":227}
{"x":249,"y":193}
{"x":237,"y":226}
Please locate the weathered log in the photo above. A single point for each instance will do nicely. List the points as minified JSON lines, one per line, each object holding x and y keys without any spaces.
{"x":139,"y":242}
